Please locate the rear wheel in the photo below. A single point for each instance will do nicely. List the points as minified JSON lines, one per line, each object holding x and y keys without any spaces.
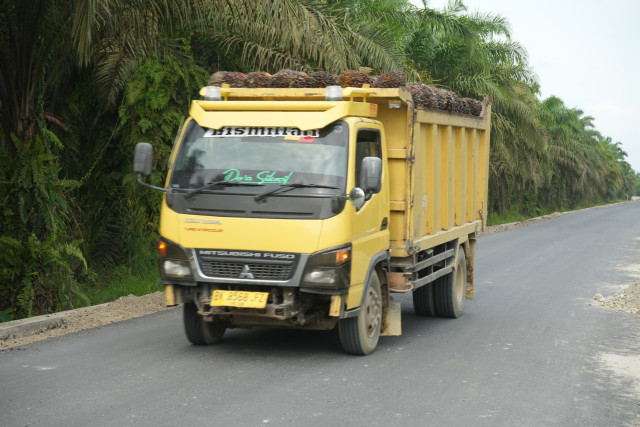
{"x":424,"y":300}
{"x":450,"y":293}
{"x":200,"y":331}
{"x":359,"y":335}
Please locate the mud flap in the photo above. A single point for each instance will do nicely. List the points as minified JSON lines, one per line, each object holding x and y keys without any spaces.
{"x":169,"y":296}
{"x":392,"y":325}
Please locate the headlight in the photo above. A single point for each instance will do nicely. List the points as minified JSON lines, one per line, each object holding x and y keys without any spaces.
{"x":177,"y":269}
{"x":174,"y":263}
{"x":329,"y":269}
{"x":321,"y":276}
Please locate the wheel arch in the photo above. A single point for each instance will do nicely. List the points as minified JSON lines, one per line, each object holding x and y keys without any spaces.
{"x":379,"y":264}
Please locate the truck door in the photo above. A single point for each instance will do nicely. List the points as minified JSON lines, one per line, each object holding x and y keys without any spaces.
{"x":370,"y":222}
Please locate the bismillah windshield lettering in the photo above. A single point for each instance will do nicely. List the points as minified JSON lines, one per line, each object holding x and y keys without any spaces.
{"x":260,"y":131}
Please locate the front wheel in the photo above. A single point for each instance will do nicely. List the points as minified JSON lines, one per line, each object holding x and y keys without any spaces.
{"x":198,"y":330}
{"x":359,"y":335}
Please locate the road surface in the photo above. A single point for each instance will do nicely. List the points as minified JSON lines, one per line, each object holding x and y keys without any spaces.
{"x":530,"y":350}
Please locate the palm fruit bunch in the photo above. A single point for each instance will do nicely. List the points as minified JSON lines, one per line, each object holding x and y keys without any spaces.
{"x":463,"y":106}
{"x":322,"y":79}
{"x":216,"y":78}
{"x":444,"y":99}
{"x":416,"y":93}
{"x":423,"y":95}
{"x":392,"y":79}
{"x":450,"y":100}
{"x":439,"y":99}
{"x":290,"y":78}
{"x":232,"y":78}
{"x":352,"y":78}
{"x":474,"y":106}
{"x":258,"y":79}
{"x":469,"y":106}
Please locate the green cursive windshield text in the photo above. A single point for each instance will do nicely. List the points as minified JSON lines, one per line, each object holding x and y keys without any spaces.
{"x":263,"y":177}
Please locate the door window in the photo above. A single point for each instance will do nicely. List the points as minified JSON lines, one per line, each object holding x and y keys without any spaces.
{"x":367,"y":145}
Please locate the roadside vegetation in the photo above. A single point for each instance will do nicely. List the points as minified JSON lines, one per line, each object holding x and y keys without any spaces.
{"x":82,"y":82}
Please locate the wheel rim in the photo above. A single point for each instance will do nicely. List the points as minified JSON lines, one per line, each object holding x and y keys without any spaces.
{"x":372,"y":313}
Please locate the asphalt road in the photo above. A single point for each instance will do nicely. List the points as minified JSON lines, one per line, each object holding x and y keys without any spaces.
{"x":529,"y":351}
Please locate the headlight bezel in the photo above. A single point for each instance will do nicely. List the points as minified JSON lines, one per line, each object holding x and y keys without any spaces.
{"x":331,"y":268}
{"x":173,"y":262}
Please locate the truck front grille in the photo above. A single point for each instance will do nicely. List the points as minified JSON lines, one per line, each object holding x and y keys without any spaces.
{"x":247,"y":265}
{"x":234,"y":270}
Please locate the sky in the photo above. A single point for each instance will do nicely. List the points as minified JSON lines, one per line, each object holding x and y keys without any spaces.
{"x":585,"y":52}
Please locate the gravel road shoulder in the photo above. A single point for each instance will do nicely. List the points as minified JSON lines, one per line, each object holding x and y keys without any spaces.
{"x":124,"y":308}
{"x":627,"y":300}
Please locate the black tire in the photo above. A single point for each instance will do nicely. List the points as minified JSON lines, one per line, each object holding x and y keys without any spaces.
{"x":424,"y":300}
{"x":199,"y":331}
{"x":359,"y":335}
{"x":450,"y":293}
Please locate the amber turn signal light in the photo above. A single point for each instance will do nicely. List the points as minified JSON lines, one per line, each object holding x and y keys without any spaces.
{"x":343,"y":256}
{"x":162,"y":248}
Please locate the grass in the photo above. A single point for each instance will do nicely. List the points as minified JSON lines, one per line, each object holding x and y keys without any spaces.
{"x":514,"y":214}
{"x":122,"y":282}
{"x":107,"y":286}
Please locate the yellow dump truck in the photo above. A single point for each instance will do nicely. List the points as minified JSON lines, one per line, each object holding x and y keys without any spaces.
{"x":309,"y":208}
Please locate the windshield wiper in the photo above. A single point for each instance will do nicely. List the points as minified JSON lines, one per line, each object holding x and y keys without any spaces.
{"x":289,"y":187}
{"x":214,"y":183}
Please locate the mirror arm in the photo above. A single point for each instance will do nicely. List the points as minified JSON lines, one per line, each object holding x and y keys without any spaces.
{"x":144,"y":184}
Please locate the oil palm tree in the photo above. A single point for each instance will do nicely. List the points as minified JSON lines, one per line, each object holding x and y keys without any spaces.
{"x":299,"y":34}
{"x":44,"y":42}
{"x":473,"y":55}
{"x":54,"y":52}
{"x":584,"y":165}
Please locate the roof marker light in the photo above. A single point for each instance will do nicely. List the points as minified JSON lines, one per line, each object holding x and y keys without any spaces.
{"x":334,"y":93}
{"x":213,"y":93}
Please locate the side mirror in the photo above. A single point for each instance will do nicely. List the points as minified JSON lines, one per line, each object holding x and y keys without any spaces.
{"x":143,"y":159}
{"x":143,"y":164}
{"x":371,"y":174}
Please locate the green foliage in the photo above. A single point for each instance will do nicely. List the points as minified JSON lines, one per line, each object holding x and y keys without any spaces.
{"x":40,"y":255}
{"x":583,"y":167}
{"x":634,"y":182}
{"x":122,"y":281}
{"x":509,"y":216}
{"x":156,"y":99}
{"x":119,"y":218}
{"x":82,"y":82}
{"x":310,"y":35}
{"x":473,"y":55}
{"x":544,"y":156}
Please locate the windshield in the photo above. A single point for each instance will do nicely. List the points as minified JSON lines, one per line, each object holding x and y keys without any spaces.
{"x":264,"y":156}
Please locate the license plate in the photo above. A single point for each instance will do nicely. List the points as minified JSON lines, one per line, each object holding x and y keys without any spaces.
{"x":239,"y":299}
